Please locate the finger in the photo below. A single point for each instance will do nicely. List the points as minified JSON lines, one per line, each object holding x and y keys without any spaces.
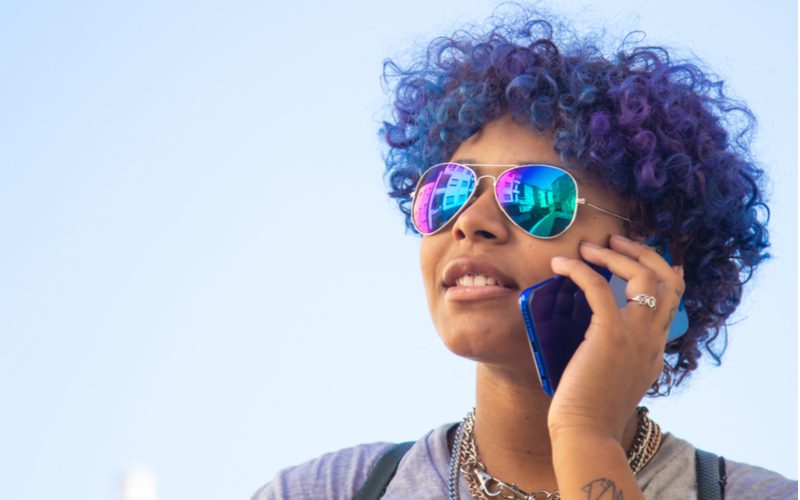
{"x":594,"y":286}
{"x":671,"y":283}
{"x":619,"y":263}
{"x":649,"y":257}
{"x":640,"y":278}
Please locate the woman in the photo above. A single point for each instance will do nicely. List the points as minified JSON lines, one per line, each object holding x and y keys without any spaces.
{"x":640,"y":142}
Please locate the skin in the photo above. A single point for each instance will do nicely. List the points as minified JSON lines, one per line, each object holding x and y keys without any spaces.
{"x":580,"y":436}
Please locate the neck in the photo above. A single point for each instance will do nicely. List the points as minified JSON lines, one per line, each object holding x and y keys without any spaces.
{"x":511,"y":430}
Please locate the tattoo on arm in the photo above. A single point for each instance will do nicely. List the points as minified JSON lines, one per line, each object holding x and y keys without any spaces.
{"x":602,"y":489}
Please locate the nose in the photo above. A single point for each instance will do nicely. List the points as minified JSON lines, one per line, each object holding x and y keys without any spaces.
{"x":481,"y":219}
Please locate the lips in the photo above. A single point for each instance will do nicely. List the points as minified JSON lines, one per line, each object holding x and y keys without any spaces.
{"x":472,"y":266}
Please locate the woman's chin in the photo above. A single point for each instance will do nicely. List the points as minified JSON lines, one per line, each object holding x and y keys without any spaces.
{"x":487,"y":345}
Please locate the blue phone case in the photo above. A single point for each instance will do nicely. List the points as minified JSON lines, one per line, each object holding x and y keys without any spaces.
{"x":556,"y":316}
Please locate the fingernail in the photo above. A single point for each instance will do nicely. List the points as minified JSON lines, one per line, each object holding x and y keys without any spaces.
{"x":622,"y":238}
{"x":590,"y":244}
{"x":558,"y":260}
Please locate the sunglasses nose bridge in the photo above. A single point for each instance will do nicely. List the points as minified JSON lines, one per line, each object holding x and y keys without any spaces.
{"x":486,"y":176}
{"x":477,"y":191}
{"x":489,"y":190}
{"x":480,"y":178}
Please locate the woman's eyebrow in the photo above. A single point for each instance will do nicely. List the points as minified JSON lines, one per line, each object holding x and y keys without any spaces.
{"x":539,"y":162}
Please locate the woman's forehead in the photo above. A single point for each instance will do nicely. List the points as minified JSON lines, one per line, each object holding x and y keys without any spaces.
{"x":506,"y":142}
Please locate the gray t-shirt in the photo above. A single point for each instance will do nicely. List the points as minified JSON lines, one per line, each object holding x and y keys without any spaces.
{"x":423,"y":474}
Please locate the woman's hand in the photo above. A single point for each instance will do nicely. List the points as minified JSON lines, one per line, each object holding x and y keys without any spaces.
{"x":619,"y":359}
{"x":622,"y":353}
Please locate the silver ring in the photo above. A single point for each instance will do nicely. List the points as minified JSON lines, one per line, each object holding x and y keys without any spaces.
{"x":645,"y":300}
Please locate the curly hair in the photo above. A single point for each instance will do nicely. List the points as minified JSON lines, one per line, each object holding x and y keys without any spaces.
{"x":660,"y":133}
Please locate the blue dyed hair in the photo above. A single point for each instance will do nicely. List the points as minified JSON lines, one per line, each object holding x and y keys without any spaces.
{"x":660,"y":133}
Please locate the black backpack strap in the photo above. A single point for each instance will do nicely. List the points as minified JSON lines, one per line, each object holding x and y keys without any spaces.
{"x":381,"y":475}
{"x":711,"y":476}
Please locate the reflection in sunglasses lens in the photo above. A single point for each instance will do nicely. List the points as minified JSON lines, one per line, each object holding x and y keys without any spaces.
{"x":539,"y":199}
{"x":441,"y":193}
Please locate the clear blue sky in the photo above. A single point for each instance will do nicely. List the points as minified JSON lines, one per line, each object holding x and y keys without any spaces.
{"x":169,"y":297}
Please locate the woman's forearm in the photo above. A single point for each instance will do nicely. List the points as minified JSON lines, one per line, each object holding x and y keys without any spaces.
{"x":593,"y":467}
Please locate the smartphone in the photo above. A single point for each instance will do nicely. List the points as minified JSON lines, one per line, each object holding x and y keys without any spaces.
{"x":556,"y":316}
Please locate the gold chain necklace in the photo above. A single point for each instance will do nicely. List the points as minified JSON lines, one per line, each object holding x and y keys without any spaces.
{"x":483,"y":485}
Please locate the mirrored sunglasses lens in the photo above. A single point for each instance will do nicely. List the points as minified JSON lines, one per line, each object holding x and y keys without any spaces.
{"x":440,"y":194}
{"x":538,"y":198}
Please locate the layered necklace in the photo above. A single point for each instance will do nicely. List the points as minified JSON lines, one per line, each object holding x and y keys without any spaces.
{"x":483,"y":486}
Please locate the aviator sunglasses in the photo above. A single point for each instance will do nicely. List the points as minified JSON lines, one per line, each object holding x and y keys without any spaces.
{"x":542,"y":200}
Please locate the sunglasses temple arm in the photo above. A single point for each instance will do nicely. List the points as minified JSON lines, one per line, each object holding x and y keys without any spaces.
{"x":609,"y":212}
